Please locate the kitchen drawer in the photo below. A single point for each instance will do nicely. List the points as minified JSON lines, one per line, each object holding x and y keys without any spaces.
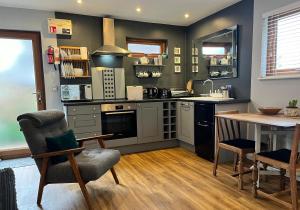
{"x":86,"y":123}
{"x":85,"y":109}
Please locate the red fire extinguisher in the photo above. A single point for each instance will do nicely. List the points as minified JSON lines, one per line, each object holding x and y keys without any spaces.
{"x":50,"y":55}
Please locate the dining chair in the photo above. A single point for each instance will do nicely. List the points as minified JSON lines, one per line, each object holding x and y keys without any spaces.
{"x":81,"y":166}
{"x":287,"y":161}
{"x":229,"y":138}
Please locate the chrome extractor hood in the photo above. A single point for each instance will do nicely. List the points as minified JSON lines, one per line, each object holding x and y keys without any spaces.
{"x":109,"y":47}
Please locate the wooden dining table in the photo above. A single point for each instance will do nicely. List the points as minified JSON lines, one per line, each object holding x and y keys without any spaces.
{"x":275,"y":124}
{"x":259,"y":120}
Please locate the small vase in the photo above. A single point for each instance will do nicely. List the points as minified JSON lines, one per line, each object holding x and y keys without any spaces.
{"x":291,"y":112}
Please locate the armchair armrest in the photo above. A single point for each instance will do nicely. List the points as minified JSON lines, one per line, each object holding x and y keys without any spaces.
{"x":57,"y":153}
{"x":99,"y":139}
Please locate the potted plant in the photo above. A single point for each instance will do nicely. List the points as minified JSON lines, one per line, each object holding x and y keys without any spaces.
{"x":292,"y":110}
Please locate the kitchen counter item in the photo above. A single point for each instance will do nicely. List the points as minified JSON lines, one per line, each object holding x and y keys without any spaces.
{"x":134,"y":92}
{"x":269,"y":110}
{"x":189,"y":86}
{"x":164,"y":93}
{"x":152,"y":92}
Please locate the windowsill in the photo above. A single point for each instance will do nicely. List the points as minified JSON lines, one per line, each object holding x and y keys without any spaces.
{"x":280,"y":77}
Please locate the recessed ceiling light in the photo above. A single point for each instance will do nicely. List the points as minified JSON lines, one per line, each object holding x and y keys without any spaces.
{"x":79,"y":1}
{"x":186,"y":15}
{"x":138,"y":9}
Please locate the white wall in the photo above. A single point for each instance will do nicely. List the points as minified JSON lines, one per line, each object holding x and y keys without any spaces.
{"x":34,"y":20}
{"x":269,"y":92}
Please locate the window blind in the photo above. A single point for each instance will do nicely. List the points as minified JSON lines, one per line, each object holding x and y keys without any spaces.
{"x":283,"y":43}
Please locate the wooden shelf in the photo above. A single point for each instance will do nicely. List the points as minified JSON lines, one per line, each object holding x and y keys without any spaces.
{"x":76,"y":77}
{"x":220,"y":65}
{"x":74,"y":59}
{"x":149,"y":65}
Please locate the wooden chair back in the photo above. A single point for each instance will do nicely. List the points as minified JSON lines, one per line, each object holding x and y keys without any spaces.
{"x":294,"y":149}
{"x":227,"y":129}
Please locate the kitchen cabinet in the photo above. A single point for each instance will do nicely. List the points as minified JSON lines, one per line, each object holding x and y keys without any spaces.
{"x":185,"y":122}
{"x":150,"y":122}
{"x":84,"y":120}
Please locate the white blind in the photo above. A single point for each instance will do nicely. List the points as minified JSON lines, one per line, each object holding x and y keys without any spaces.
{"x":283,"y":47}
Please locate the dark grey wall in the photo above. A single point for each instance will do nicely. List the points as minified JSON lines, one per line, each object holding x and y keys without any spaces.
{"x":175,"y":36}
{"x":239,"y":14}
{"x":87,"y":31}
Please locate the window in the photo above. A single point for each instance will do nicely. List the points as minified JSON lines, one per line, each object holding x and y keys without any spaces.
{"x":142,"y":47}
{"x":282,"y":43}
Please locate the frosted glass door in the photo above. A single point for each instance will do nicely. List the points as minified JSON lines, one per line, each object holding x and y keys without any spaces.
{"x":17,"y":81}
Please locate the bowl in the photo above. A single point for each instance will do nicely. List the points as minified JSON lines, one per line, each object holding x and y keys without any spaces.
{"x":269,"y":110}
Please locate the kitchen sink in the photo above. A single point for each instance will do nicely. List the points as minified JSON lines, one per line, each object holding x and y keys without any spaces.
{"x":201,"y":98}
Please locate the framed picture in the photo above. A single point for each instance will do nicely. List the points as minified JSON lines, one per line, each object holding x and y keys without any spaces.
{"x":177,"y":69}
{"x":194,"y":60}
{"x":195,"y":68}
{"x":177,"y":60}
{"x":194,"y":51}
{"x":176,"y":50}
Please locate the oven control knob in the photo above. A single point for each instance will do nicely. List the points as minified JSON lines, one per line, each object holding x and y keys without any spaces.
{"x":129,"y":107}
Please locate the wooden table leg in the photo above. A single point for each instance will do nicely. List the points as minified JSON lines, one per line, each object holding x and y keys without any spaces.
{"x":257,"y":146}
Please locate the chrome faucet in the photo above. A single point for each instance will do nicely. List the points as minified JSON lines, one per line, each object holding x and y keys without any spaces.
{"x":212,"y":85}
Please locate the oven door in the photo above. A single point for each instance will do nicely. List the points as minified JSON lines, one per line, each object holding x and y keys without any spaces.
{"x":120,"y":123}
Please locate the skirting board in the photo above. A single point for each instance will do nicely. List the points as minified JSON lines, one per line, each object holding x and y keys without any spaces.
{"x":147,"y":147}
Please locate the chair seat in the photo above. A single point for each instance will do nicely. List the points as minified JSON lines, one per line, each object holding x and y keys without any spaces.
{"x":240,"y":143}
{"x":91,"y":163}
{"x":282,"y":155}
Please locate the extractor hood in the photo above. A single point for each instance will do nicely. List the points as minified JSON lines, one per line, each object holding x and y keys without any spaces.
{"x":109,"y":47}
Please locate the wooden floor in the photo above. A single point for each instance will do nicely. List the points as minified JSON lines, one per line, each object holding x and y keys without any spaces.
{"x":164,"y":179}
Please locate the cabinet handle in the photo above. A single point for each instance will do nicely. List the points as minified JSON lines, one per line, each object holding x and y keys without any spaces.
{"x":94,"y":116}
{"x":74,"y":110}
{"x":94,"y":108}
{"x":74,"y":118}
{"x":200,"y":124}
{"x":95,"y":134}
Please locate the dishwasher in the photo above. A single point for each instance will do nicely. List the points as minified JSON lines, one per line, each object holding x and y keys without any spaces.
{"x":205,"y":130}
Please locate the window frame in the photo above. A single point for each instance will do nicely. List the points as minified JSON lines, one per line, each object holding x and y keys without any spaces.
{"x":269,"y":45}
{"x":160,"y":42}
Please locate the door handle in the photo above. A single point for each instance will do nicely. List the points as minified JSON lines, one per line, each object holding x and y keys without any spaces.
{"x":38,"y":96}
{"x":203,"y":125}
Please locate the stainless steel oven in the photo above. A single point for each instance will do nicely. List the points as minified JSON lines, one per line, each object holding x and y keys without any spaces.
{"x":119,"y":119}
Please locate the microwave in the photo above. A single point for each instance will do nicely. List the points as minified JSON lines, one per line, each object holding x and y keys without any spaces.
{"x":82,"y":92}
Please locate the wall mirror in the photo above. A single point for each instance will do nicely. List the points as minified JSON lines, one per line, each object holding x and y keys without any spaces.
{"x":218,"y":56}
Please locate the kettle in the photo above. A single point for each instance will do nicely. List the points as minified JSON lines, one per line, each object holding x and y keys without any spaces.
{"x":152,"y":92}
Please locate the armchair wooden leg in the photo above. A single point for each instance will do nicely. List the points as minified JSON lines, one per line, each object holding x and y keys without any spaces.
{"x":241,"y":170}
{"x":114,"y":175}
{"x":79,"y":180}
{"x":42,"y":180}
{"x":254,"y":179}
{"x":216,"y":161}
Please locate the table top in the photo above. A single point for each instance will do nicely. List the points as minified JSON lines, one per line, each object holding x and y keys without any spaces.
{"x":257,"y":118}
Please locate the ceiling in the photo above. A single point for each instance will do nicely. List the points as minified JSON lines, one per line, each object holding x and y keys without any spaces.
{"x":155,"y":11}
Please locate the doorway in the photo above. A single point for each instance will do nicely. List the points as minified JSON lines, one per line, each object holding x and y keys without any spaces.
{"x":22,"y":87}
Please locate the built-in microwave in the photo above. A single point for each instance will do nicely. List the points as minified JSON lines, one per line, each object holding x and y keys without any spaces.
{"x":80,"y":92}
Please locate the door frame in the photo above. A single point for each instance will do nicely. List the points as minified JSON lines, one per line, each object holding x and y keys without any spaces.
{"x":35,"y":37}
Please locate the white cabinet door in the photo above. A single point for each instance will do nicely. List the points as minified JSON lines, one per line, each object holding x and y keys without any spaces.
{"x":185,"y":122}
{"x":150,"y":122}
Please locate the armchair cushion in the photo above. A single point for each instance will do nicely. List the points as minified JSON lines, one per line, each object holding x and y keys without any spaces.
{"x":61,"y":142}
{"x":91,"y":163}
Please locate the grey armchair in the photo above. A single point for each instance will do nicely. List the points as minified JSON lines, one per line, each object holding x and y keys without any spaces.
{"x":86,"y":166}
